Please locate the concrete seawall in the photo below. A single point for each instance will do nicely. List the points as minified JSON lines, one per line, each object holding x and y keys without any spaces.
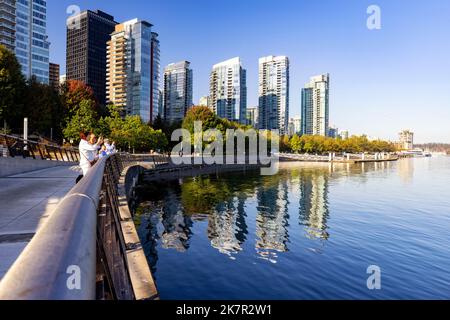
{"x":142,"y":280}
{"x":17,"y":165}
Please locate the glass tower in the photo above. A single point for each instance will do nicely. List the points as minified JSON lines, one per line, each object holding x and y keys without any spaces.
{"x":177,"y":90}
{"x":156,"y":77}
{"x":32,"y":46}
{"x":129,"y":68}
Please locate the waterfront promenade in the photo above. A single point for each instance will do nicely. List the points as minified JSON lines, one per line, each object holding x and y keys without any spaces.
{"x":27,"y":200}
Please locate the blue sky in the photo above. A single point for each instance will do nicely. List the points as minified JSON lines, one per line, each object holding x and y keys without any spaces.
{"x":382,"y":81}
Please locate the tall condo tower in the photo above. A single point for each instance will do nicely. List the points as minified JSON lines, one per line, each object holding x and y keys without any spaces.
{"x":178,"y":78}
{"x":228,"y":90}
{"x":315,"y":106}
{"x":274,"y":93}
{"x":129,"y":69}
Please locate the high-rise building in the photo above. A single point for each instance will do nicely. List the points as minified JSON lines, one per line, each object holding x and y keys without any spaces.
{"x":228,"y":90}
{"x":8,"y":23}
{"x":178,"y":78}
{"x":155,"y":77}
{"x":274,"y":93}
{"x":315,"y":106}
{"x":406,"y":140}
{"x":54,"y":75}
{"x":87,"y":35}
{"x":252,"y":117}
{"x":31,"y":45}
{"x":129,"y":67}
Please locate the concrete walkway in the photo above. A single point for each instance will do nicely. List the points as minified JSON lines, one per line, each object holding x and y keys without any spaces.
{"x":26,"y":200}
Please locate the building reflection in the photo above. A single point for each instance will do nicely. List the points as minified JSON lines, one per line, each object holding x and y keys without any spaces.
{"x":272,"y":219}
{"x":227,"y":227}
{"x":314,"y":210}
{"x":224,"y":205}
{"x":176,"y":225}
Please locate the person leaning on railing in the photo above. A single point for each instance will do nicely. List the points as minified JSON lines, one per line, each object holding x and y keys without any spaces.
{"x":88,"y":147}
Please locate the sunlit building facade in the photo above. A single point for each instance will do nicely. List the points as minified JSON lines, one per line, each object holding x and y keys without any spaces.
{"x":178,"y":78}
{"x":406,"y":139}
{"x":31,"y":40}
{"x":315,"y":106}
{"x":274,"y":93}
{"x":228,"y":90}
{"x":129,"y":69}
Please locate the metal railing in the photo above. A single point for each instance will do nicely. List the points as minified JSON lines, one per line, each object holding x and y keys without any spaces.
{"x":80,"y":252}
{"x":11,"y":146}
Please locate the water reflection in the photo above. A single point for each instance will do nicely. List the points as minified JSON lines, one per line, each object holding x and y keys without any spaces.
{"x":173,"y":208}
{"x":314,"y":205}
{"x":227,"y":226}
{"x":272,"y":219}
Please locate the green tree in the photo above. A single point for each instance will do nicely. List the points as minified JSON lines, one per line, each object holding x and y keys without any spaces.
{"x":83,"y":120}
{"x":296,"y":144}
{"x":12,"y":88}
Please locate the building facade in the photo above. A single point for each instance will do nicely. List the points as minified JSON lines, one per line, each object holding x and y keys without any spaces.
{"x":87,"y":35}
{"x":31,"y":40}
{"x":54,"y":75}
{"x":8,"y":23}
{"x":178,"y":79}
{"x":129,"y":69}
{"x":228,"y":90}
{"x":406,"y":139}
{"x":155,"y":72}
{"x":252,"y":117}
{"x":315,"y":106}
{"x":274,"y":93}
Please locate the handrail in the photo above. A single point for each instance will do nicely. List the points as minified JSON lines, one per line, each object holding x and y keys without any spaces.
{"x":31,"y":149}
{"x":79,"y":254}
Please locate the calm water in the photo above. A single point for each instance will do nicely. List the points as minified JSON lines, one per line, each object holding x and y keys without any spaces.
{"x":308,"y":233}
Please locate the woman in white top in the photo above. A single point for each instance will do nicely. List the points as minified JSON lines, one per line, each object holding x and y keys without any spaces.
{"x":88,"y":151}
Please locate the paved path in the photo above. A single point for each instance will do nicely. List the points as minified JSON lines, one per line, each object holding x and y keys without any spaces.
{"x":26,"y":200}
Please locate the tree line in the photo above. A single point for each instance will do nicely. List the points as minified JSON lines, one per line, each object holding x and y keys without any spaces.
{"x":294,"y":144}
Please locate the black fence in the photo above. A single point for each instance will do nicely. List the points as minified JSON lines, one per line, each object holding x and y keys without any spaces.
{"x":12,"y":146}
